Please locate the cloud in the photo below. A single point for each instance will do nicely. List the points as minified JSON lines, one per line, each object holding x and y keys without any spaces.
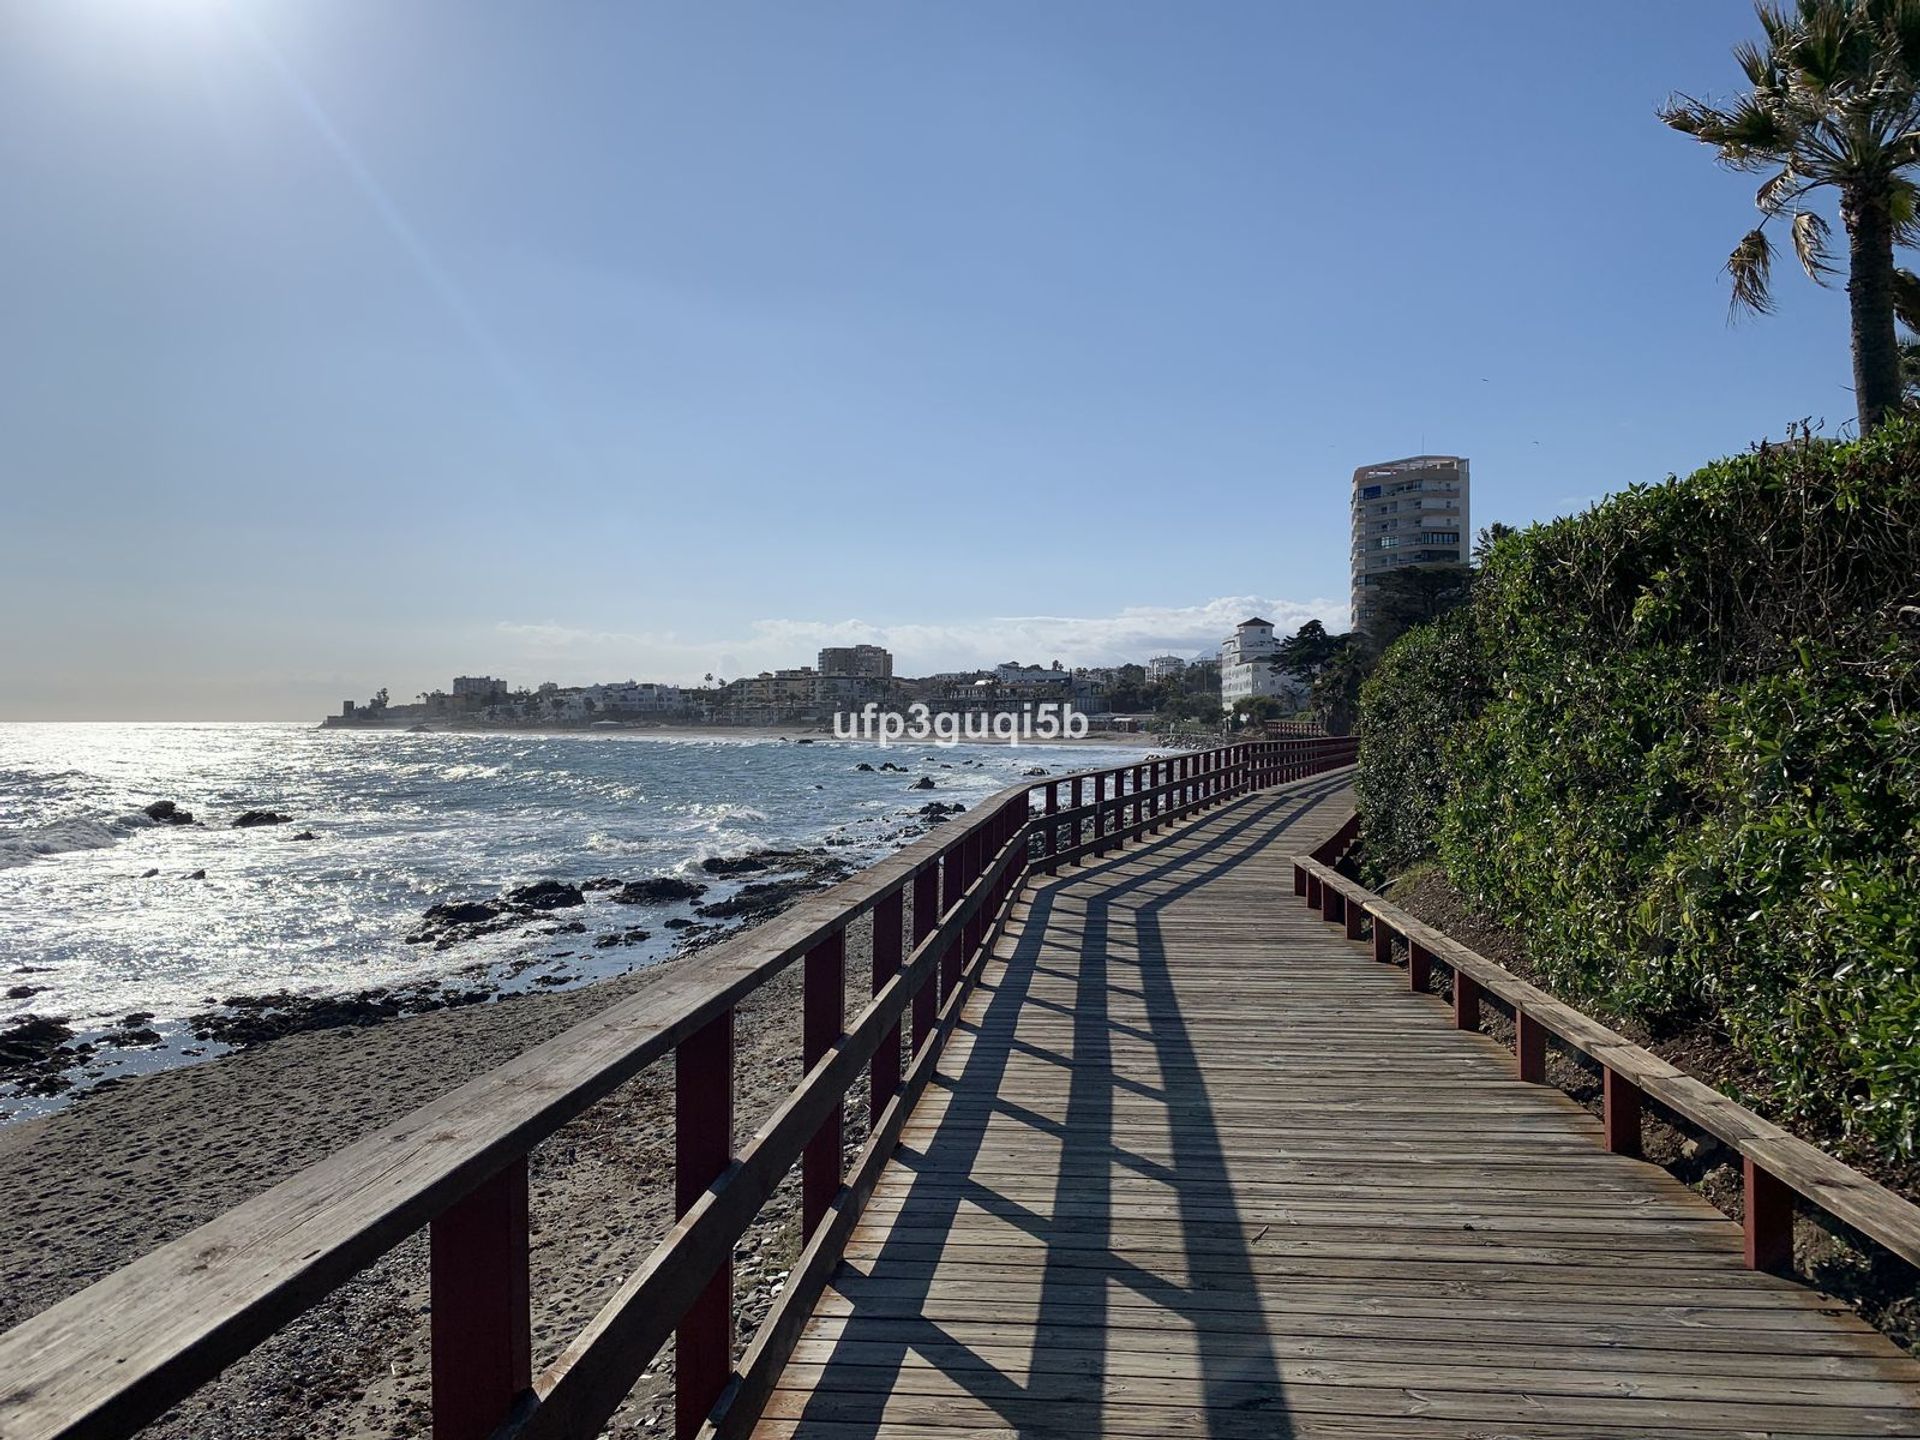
{"x":535,"y":651}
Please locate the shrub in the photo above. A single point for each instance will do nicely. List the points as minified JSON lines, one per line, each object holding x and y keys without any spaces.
{"x":1674,"y":742}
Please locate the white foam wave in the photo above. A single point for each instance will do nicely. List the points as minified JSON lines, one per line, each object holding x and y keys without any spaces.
{"x":59,"y":837}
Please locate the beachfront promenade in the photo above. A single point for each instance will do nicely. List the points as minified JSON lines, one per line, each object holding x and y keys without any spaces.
{"x":1164,"y":1139}
{"x":1196,"y":1166}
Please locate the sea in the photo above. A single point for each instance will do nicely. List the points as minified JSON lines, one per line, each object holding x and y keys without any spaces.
{"x":105,"y":927}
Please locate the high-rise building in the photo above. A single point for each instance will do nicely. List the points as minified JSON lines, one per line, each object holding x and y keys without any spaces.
{"x":1165,"y":667}
{"x":1407,"y":512}
{"x":863,"y":662}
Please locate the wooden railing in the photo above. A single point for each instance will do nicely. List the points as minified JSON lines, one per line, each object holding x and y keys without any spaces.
{"x":1775,"y":1165}
{"x":107,"y":1360}
{"x":1293,"y":729}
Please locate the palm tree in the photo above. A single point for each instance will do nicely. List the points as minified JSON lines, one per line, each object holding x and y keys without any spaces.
{"x":1835,"y":105}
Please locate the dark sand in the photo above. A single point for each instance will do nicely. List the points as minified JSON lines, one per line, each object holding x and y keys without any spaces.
{"x":125,"y":1169}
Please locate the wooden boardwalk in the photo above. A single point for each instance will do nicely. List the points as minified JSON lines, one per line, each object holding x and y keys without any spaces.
{"x":1194,"y":1165}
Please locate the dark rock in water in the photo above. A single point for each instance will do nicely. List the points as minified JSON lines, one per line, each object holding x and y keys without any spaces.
{"x":33,"y":1050}
{"x":572,"y":927}
{"x":621,"y":937}
{"x":863,"y":765}
{"x":245,"y":1020}
{"x":197,"y":875}
{"x":936,"y":813}
{"x":925,"y":782}
{"x":464,"y":912}
{"x":151,"y":873}
{"x":132,"y":1033}
{"x":891,"y":768}
{"x":1036,"y":770}
{"x":547,"y":895}
{"x":23,"y":992}
{"x":803,"y":742}
{"x":303,"y":835}
{"x":732,"y":865}
{"x":165,"y":812}
{"x":604,"y":882}
{"x":247,"y":819}
{"x":680,"y":922}
{"x":658,"y":890}
{"x":760,"y":899}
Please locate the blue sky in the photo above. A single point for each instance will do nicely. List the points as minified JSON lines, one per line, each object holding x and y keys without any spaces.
{"x":350,"y":343}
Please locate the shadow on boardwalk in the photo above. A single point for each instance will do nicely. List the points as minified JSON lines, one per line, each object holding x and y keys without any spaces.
{"x":1051,"y":1382}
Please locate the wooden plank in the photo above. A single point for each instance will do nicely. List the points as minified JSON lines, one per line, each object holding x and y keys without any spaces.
{"x":1187,"y":1168}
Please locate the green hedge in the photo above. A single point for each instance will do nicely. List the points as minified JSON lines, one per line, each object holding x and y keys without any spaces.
{"x":1674,"y":742}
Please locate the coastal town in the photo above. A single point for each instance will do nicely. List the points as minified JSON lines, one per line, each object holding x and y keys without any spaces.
{"x":1164,"y":691}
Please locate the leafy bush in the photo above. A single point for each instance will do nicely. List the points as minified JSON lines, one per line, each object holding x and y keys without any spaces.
{"x":1674,"y":741}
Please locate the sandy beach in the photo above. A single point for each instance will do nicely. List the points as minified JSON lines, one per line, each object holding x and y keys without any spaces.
{"x":137,"y":1164}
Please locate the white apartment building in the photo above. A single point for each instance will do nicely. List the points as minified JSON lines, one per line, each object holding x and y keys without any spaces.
{"x":1013,"y":673}
{"x":1165,"y":667}
{"x":1407,"y":512}
{"x":641,"y":697}
{"x":1246,"y":666}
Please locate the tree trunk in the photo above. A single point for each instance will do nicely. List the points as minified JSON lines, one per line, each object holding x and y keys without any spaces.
{"x":1876,"y":352}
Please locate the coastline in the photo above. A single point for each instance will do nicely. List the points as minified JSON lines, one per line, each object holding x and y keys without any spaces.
{"x":791,"y":734}
{"x":126,"y":1169}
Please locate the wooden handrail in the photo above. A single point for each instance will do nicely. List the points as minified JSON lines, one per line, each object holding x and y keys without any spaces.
{"x":105,"y":1361}
{"x":1776,"y":1165}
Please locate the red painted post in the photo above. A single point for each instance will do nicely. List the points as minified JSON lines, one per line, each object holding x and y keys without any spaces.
{"x":926,"y":916}
{"x":1052,"y":826}
{"x":1769,"y":1219}
{"x":1355,"y":915}
{"x":953,"y":884}
{"x":1419,"y":966}
{"x":1382,"y":942}
{"x":1313,"y":891}
{"x":703,"y":1148}
{"x":482,"y":1333}
{"x":1466,"y":1001}
{"x":977,"y":849}
{"x":1333,"y":905}
{"x":1079,"y":825}
{"x":823,"y":1016}
{"x":1299,"y":879}
{"x":883,"y":1072}
{"x":1530,"y":1048}
{"x":1620,"y":1106}
{"x":1139,"y":800}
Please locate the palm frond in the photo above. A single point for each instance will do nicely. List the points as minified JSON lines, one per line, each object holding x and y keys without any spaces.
{"x":1810,"y":231}
{"x":1750,"y":267}
{"x":1903,"y":207}
{"x":1778,"y":192}
{"x":1906,"y":298}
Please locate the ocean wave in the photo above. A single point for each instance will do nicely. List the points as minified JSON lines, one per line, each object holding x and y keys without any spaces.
{"x":60,"y":837}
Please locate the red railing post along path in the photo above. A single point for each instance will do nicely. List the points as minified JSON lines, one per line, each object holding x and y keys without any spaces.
{"x":1620,"y":1111}
{"x":926,"y":916}
{"x":702,"y":1150}
{"x":822,"y":1022}
{"x":883,"y":1071}
{"x":482,"y":1334}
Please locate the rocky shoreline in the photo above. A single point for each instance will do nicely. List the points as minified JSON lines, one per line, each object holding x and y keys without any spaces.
{"x":50,"y":1055}
{"x":126,"y":1168}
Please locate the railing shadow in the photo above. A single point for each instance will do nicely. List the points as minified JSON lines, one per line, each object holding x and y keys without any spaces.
{"x":1045,"y":1365}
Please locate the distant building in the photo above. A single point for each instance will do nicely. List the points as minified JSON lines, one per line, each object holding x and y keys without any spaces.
{"x":1406,"y":512}
{"x":1165,"y":667}
{"x":1013,"y":673}
{"x":635,"y":697}
{"x":1246,"y":666}
{"x":478,"y":687}
{"x":860,"y":662}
